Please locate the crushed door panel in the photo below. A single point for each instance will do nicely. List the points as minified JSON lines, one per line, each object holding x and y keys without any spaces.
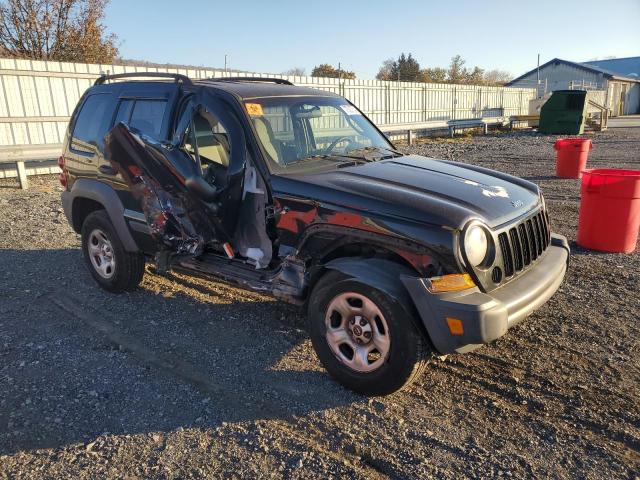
{"x":163,"y":179}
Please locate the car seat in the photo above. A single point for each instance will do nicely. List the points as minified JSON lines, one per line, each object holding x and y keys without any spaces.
{"x":213,"y":147}
{"x":268,"y":139}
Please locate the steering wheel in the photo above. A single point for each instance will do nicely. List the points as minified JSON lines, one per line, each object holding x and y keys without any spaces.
{"x":333,"y":145}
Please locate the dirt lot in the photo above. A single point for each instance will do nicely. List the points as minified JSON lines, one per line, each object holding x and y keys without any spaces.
{"x":186,"y":378}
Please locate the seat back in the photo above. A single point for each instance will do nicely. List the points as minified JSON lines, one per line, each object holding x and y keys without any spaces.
{"x":211,"y":146}
{"x":267,"y":138}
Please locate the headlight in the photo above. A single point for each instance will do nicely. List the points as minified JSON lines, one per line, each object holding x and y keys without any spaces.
{"x":476,"y":245}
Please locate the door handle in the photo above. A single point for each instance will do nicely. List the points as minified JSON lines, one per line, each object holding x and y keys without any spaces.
{"x":107,"y":170}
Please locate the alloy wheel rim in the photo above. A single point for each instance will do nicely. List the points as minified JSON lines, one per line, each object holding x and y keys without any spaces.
{"x":101,"y":254}
{"x":357,"y":332}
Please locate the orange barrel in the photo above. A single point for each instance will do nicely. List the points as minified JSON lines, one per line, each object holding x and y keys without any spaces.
{"x":609,"y":210}
{"x":571,"y":156}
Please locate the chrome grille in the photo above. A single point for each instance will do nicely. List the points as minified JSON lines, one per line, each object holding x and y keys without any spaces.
{"x":523,"y":243}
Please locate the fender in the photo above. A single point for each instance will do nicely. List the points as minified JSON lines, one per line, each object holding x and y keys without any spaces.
{"x":381,"y":274}
{"x":422,"y":258}
{"x":108,"y":198}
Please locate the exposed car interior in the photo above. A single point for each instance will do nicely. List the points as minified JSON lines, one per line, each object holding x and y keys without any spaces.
{"x":213,"y":146}
{"x":291,"y":129}
{"x":271,"y":144}
{"x":214,"y":149}
{"x":213,"y":143}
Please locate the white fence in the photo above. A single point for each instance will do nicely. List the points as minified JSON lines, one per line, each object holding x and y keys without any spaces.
{"x":37,"y":98}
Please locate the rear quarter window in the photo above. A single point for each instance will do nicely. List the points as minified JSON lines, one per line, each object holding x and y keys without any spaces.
{"x":145,"y":115}
{"x":92,"y":123}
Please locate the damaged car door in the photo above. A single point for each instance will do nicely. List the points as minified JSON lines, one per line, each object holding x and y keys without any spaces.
{"x":183,"y":186}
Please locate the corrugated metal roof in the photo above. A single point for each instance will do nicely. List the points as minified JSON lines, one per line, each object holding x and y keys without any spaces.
{"x":618,"y":66}
{"x":584,"y":66}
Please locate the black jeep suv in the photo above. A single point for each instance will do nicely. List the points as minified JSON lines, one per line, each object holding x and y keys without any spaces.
{"x":294,"y":192}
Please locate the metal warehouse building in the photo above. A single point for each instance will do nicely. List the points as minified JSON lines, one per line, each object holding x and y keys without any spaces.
{"x":618,"y":78}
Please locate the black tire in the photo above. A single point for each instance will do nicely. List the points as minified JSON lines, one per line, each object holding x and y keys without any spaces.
{"x":409,"y":350}
{"x":128,"y":266}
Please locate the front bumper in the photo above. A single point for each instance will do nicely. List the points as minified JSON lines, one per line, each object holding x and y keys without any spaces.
{"x":487,"y":316}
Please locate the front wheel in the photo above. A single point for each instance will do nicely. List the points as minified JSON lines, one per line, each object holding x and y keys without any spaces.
{"x":365,"y":338}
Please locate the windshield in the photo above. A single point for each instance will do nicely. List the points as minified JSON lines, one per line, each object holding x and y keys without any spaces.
{"x":302,"y":132}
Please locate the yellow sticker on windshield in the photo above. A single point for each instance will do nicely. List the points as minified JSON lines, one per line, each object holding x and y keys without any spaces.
{"x":254,"y":109}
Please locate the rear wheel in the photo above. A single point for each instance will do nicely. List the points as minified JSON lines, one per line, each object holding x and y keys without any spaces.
{"x":115,"y":269}
{"x":365,"y":338}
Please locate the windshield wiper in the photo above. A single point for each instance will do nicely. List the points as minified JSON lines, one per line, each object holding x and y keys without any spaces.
{"x":394,"y":153}
{"x":347,"y":159}
{"x":334,"y":158}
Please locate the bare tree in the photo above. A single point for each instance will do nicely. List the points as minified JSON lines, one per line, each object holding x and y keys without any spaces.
{"x":497,"y":77}
{"x":386,"y":70}
{"x":296,"y":71}
{"x":65,"y":30}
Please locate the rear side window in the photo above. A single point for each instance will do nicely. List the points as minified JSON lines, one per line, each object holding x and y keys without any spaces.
{"x":124,"y":111}
{"x":92,"y":123}
{"x":145,"y":115}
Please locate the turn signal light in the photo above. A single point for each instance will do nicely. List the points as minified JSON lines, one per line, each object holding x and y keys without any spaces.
{"x":455,"y":326}
{"x":451,"y":283}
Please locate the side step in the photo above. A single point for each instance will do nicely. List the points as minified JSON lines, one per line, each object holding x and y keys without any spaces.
{"x":285,"y":282}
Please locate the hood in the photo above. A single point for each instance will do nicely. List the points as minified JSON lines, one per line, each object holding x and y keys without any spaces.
{"x":418,"y":188}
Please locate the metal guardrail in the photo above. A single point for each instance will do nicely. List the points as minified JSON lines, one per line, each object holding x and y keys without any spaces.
{"x":516,"y":119}
{"x":451,"y":125}
{"x":22,"y":153}
{"x":19,"y":154}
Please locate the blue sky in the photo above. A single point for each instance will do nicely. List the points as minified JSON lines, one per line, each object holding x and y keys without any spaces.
{"x":273,"y":36}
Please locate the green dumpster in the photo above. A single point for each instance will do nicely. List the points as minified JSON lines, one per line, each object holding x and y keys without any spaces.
{"x":564,"y":112}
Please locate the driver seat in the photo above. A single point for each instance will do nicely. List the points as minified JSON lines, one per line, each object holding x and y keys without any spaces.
{"x":212,"y":146}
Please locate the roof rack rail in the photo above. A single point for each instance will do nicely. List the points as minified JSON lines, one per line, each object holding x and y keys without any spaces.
{"x":176,"y":76}
{"x":280,"y":81}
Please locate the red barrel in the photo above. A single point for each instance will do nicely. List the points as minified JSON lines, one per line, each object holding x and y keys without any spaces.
{"x":571,"y":156}
{"x":609,"y":210}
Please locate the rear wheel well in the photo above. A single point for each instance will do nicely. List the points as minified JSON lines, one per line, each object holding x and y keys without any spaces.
{"x":81,"y":208}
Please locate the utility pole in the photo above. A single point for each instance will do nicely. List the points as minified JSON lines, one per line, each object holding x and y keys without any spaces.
{"x":225,"y":63}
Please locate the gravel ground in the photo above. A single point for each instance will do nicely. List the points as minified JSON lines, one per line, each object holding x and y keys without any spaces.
{"x":186,"y":378}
